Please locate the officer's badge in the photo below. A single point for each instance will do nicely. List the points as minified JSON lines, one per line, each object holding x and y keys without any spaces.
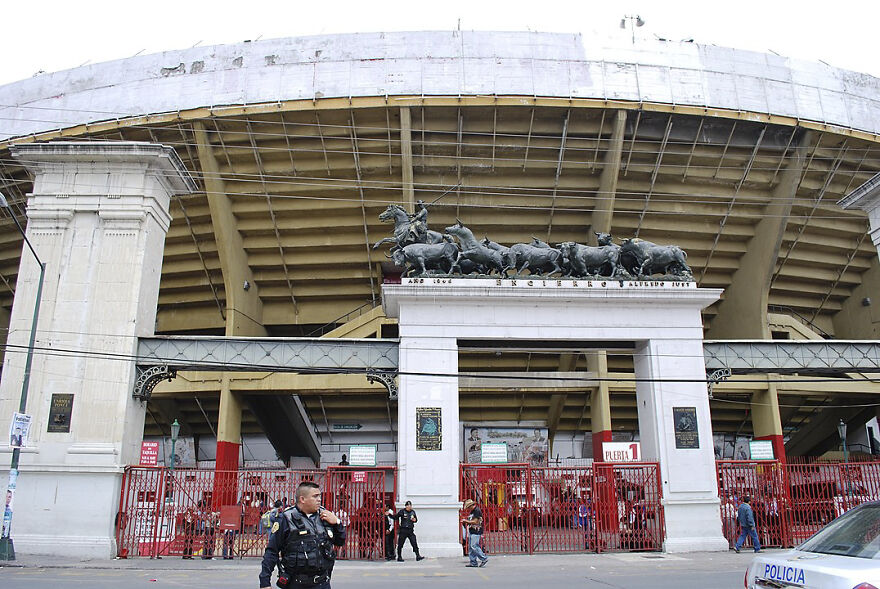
{"x":329,"y":533}
{"x":275,"y":527}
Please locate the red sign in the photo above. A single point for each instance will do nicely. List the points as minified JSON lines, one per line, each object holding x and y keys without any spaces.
{"x":149,"y":453}
{"x":358,"y":476}
{"x":230,"y":517}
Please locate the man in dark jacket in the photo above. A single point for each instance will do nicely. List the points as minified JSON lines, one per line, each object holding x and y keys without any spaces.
{"x":746,"y":518}
{"x":407,"y":518}
{"x":389,"y":533}
{"x":303,"y":538}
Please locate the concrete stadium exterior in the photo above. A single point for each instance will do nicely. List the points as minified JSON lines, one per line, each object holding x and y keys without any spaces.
{"x":296,"y":145}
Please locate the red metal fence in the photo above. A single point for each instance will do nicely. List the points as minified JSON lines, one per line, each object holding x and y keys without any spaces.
{"x":567,"y":509}
{"x":791,"y":502}
{"x":203,"y":513}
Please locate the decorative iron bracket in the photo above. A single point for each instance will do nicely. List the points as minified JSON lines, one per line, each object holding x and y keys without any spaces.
{"x":715,"y":377}
{"x":387,"y":379}
{"x":147,"y":379}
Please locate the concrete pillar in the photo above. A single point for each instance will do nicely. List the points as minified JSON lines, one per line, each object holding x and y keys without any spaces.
{"x":603,"y":213}
{"x":669,"y":388}
{"x":859,"y":315}
{"x":766,"y":423}
{"x":406,"y":159}
{"x":97,"y":218}
{"x":429,"y":478}
{"x":600,"y":403}
{"x":742,"y":314}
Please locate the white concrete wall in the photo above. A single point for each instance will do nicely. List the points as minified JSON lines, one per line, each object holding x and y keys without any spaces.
{"x":442,"y":63}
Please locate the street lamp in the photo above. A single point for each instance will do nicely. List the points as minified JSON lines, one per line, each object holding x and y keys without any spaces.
{"x":175,"y":431}
{"x":7,"y":550}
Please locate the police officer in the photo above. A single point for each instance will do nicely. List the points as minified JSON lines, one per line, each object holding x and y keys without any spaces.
{"x":303,"y":538}
{"x":407,"y":518}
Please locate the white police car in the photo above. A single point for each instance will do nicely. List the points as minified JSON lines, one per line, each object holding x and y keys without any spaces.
{"x":845,"y":554}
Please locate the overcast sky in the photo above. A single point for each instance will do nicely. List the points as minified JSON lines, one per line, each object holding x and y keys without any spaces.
{"x":53,"y":35}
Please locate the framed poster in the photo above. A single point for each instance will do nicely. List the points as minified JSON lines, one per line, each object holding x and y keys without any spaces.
{"x":60,"y":410}
{"x":429,"y":431}
{"x":524,"y":444}
{"x":684,"y":421}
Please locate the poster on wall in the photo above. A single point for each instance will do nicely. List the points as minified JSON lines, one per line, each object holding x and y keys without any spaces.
{"x":60,"y":411}
{"x":493,"y":453}
{"x":429,"y":432}
{"x":684,"y":421}
{"x":524,"y":444}
{"x":184,"y":452}
{"x":362,"y":455}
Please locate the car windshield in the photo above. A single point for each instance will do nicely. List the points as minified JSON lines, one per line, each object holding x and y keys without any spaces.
{"x":856,"y":533}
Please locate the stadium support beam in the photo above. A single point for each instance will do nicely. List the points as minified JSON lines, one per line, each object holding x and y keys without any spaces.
{"x":244,"y":308}
{"x":600,"y":403}
{"x":766,"y":421}
{"x":857,"y":318}
{"x":603,"y":212}
{"x":743,"y":312}
{"x":567,"y":363}
{"x":406,"y":158}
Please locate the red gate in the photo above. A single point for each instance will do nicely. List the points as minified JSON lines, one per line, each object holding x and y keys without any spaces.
{"x":184,"y":513}
{"x":360,"y":496}
{"x":567,"y":509}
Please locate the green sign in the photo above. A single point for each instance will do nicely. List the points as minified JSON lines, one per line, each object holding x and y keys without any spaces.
{"x":354,"y":426}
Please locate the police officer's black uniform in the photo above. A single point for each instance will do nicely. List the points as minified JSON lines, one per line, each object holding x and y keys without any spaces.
{"x":407,"y":521}
{"x":304,"y":544}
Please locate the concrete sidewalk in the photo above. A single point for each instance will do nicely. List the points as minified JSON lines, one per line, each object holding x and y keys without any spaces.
{"x":633,"y":559}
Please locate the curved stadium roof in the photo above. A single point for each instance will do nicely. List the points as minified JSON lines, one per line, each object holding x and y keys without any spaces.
{"x":310,"y":138}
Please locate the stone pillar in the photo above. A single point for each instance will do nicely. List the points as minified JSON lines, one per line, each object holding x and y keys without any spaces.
{"x":669,"y":372}
{"x":429,"y":478}
{"x":97,"y":218}
{"x":600,"y":404}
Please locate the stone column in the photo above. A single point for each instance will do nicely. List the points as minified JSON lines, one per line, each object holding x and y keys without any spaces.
{"x":669,"y":372}
{"x":600,"y":404}
{"x":97,"y":217}
{"x":429,"y":478}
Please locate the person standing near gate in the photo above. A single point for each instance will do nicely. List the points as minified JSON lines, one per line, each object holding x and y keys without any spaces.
{"x":389,"y":533}
{"x":303,"y":539}
{"x":746,"y":518}
{"x":407,"y":518}
{"x":474,"y":523}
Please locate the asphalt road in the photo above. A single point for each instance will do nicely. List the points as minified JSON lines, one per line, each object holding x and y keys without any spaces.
{"x":607,"y":571}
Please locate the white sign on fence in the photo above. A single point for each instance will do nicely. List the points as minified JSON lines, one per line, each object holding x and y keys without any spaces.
{"x":362,"y":455}
{"x":493,"y":453}
{"x":621,"y":451}
{"x":761,"y":450}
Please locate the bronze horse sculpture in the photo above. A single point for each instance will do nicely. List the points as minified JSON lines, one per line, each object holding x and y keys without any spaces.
{"x":407,"y":230}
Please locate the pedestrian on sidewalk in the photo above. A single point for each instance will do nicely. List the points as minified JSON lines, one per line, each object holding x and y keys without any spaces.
{"x":389,"y":533}
{"x":474,"y":523}
{"x":746,"y":518}
{"x":407,"y":518}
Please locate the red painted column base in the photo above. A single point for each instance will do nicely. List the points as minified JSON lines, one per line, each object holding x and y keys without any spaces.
{"x":226,"y":475}
{"x":778,"y":445}
{"x":598,"y":438}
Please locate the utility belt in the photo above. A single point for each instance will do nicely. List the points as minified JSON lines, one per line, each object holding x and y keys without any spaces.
{"x":286,"y":580}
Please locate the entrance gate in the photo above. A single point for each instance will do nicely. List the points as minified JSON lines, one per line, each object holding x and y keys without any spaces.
{"x":189,"y":512}
{"x":606,"y":507}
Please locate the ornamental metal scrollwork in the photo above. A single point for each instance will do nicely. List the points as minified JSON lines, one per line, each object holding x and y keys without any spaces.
{"x":387,"y":379}
{"x":715,"y":377}
{"x":148,"y":378}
